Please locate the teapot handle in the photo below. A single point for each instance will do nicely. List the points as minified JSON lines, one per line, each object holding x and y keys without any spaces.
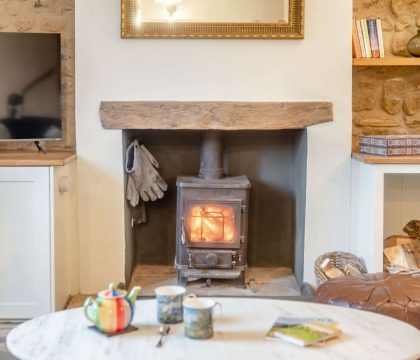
{"x":89,"y":301}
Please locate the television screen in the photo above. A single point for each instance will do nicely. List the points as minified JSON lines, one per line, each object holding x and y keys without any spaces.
{"x":30,"y":86}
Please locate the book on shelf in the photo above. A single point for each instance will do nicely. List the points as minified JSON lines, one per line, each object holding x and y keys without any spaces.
{"x":390,"y":145}
{"x":361,"y":41}
{"x":357,"y":52}
{"x":366,"y":41}
{"x":302,"y":331}
{"x":375,"y":150}
{"x":369,"y":38}
{"x":390,"y":140}
{"x":373,"y":37}
{"x":380,"y":38}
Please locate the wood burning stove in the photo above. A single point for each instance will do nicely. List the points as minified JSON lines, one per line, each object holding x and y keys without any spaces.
{"x":212,"y":219}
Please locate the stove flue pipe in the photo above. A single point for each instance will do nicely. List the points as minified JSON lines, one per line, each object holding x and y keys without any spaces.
{"x":211,"y":158}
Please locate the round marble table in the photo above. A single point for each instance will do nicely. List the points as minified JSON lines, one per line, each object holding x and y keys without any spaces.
{"x":239,"y":334}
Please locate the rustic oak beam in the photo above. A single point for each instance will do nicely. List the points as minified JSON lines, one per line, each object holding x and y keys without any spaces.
{"x":213,"y":115}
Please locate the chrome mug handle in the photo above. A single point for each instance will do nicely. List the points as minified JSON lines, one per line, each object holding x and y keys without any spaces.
{"x":215,"y":314}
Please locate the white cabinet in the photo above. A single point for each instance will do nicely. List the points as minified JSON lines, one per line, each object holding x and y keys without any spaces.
{"x":38,"y":241}
{"x":384,"y":197}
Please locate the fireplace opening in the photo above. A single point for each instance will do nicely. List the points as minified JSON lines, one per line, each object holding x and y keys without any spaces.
{"x":273,"y":162}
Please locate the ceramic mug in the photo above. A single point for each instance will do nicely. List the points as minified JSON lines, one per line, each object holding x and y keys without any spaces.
{"x":199,"y":315}
{"x":169,"y":304}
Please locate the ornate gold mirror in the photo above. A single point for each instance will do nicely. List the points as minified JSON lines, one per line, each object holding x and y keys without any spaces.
{"x":224,"y":19}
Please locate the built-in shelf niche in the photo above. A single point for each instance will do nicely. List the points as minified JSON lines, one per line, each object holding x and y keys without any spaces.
{"x":401,"y":202}
{"x":385,"y":196}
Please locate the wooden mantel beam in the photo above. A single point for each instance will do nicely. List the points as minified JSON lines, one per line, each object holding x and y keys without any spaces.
{"x":213,"y":115}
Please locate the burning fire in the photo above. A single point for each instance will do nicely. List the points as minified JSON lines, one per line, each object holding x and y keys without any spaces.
{"x":212,"y":224}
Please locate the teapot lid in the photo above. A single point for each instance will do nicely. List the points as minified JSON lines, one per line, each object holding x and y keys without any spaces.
{"x":113,"y":292}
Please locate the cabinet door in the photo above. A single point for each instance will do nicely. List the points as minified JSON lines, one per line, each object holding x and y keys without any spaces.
{"x":24,"y":242}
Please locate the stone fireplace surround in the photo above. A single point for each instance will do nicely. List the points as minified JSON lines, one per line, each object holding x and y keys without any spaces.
{"x":246,"y":126}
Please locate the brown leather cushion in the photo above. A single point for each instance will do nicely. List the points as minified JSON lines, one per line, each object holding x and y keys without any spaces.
{"x":393,"y":295}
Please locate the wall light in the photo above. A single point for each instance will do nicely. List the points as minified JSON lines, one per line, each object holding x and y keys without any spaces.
{"x":170,"y":5}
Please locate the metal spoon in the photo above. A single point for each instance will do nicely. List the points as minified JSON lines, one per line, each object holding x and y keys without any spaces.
{"x":163,"y":331}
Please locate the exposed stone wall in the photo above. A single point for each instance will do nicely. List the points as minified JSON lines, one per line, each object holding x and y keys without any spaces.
{"x":400,"y":20}
{"x":55,"y":16}
{"x":386,"y":100}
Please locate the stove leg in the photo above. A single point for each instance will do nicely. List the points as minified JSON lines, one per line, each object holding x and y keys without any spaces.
{"x":241,"y":281}
{"x":182,"y":280}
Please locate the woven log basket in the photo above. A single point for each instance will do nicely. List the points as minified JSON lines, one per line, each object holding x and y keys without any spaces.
{"x":339,"y":260}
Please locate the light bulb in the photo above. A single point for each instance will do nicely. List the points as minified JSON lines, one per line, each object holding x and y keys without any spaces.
{"x":138,"y":19}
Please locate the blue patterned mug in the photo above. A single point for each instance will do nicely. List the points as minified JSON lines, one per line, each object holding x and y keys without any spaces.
{"x":169,"y":304}
{"x":199,"y":314}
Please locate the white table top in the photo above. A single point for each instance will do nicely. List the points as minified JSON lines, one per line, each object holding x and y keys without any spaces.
{"x":239,"y":334}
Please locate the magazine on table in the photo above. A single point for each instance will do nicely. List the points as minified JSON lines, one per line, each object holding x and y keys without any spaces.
{"x":303,"y":331}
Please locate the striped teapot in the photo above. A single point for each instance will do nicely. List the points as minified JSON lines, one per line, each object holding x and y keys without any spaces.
{"x":113,"y":310}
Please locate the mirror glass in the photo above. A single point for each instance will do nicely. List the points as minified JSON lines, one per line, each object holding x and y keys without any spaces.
{"x":212,"y":11}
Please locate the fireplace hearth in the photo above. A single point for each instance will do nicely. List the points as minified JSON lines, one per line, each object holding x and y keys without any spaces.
{"x":212,"y":219}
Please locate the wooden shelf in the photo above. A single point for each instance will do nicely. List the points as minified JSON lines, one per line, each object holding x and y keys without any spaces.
{"x":375,"y":159}
{"x":21,"y":158}
{"x":391,"y":61}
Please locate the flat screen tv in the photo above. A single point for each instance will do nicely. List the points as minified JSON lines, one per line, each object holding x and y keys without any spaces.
{"x":30,"y":87}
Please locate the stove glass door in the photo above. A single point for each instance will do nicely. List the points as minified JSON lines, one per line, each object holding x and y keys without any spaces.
{"x":213,"y":224}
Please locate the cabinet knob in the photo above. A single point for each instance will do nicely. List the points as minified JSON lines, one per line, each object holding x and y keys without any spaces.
{"x":65,"y":184}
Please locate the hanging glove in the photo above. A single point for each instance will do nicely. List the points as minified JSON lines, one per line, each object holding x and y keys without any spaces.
{"x":140,"y":165}
{"x":131,"y":193}
{"x":138,"y":214}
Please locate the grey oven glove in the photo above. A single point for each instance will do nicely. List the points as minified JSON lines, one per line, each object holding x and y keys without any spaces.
{"x":138,"y":212}
{"x":131,"y":193}
{"x":140,"y":165}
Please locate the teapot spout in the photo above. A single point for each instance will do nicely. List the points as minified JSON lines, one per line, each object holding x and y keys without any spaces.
{"x":132,"y":296}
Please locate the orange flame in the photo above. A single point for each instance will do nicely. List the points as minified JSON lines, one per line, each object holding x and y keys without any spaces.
{"x":212,"y":224}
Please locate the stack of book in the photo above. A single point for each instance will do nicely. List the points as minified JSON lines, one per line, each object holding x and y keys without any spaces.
{"x":390,"y":145}
{"x":303,"y":331}
{"x":367,"y":39}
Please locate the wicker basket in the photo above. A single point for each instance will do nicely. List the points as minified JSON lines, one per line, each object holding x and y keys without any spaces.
{"x":339,"y":260}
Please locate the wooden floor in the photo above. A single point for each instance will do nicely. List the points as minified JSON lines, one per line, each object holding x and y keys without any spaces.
{"x":5,"y":327}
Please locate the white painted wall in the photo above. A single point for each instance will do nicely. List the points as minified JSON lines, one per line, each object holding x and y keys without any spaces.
{"x":65,"y":251}
{"x":109,"y":68}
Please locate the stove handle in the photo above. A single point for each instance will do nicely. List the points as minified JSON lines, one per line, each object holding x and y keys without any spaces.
{"x":183,"y":237}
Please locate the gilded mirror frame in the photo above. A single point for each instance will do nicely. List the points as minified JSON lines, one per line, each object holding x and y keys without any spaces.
{"x":293,"y":29}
